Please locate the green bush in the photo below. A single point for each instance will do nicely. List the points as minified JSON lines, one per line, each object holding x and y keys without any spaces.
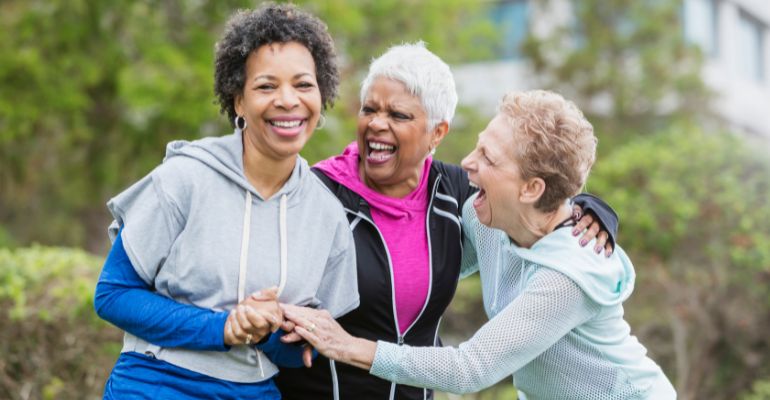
{"x":694,"y":208}
{"x":760,"y":391}
{"x":53,"y":344}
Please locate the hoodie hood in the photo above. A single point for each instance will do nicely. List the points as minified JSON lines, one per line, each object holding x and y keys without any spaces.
{"x":197,"y":231}
{"x":608,"y":281}
{"x":224,"y":154}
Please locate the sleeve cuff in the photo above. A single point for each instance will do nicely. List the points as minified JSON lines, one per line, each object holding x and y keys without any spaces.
{"x":217,"y":325}
{"x":385,"y":360}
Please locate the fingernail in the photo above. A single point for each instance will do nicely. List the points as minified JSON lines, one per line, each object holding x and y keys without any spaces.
{"x":597,"y":249}
{"x":257,"y":293}
{"x":609,"y":253}
{"x":583,"y":242}
{"x":575,"y":232}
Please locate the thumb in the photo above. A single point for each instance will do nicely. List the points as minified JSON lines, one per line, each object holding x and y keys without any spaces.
{"x":265,"y":294}
{"x":307,"y":356}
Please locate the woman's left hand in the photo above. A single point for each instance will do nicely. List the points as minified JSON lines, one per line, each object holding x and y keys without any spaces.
{"x":591,"y":229}
{"x":253,"y":318}
{"x":328,"y":337}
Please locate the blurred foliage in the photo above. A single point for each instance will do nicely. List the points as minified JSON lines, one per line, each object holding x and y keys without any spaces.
{"x":693,"y":202}
{"x":93,"y":90}
{"x":98,"y":88}
{"x":53,"y":345}
{"x":759,"y":391}
{"x":694,"y":219}
{"x":625,"y":63}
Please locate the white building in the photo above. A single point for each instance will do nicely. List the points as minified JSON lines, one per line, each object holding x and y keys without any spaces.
{"x":734,"y":34}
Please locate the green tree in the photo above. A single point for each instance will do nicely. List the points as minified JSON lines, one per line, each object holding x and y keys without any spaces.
{"x":692,"y":202}
{"x":626,"y":63}
{"x":693,"y":220}
{"x":94,"y":90}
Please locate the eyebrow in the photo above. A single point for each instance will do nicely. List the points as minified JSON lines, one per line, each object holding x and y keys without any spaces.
{"x":272,"y":77}
{"x":482,"y":145}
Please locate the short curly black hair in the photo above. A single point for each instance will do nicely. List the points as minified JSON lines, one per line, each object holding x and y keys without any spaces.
{"x":247,"y":30}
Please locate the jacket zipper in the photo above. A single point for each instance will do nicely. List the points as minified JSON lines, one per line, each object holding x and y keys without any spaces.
{"x":400,"y":336}
{"x":430,"y":260}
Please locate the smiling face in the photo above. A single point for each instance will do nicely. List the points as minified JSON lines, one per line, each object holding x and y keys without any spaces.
{"x":280,"y":101}
{"x":493,"y":168}
{"x":393,"y":137}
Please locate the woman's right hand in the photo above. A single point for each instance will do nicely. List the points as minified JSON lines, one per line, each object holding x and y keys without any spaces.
{"x":328,"y":337}
{"x":254,"y":318}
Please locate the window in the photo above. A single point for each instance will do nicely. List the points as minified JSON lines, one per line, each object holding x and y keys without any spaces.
{"x":511,"y":18}
{"x":750,"y":47}
{"x":700,"y":25}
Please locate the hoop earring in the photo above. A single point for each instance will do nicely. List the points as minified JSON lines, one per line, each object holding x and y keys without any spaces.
{"x":433,"y":151}
{"x":321,"y":122}
{"x":240,"y":124}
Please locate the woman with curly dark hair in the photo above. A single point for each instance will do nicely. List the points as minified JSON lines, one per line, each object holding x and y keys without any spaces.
{"x":226,"y":216}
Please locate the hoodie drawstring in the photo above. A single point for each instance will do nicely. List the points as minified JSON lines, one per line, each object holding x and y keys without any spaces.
{"x":245,"y":253}
{"x":284,"y":246}
{"x":244,"y":248}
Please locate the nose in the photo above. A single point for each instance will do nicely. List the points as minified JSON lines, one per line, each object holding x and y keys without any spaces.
{"x":468,"y":163}
{"x":378,"y":123}
{"x":286,"y":98}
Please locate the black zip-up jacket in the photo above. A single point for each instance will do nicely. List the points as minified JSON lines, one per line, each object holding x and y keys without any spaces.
{"x":375,"y":318}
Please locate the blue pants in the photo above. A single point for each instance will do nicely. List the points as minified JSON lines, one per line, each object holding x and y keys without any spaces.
{"x":136,"y":376}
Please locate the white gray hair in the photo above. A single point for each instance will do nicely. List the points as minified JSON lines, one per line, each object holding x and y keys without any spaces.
{"x":425,"y":76}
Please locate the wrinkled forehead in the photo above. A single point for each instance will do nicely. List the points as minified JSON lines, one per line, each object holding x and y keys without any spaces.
{"x":394,"y":93}
{"x":500,"y":135}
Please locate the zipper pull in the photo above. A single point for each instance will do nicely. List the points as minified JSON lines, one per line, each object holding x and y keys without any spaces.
{"x":400,"y":340}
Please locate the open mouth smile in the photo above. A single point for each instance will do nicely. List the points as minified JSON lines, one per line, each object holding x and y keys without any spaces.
{"x":379,"y":152}
{"x":287,"y":127}
{"x":480,"y":197}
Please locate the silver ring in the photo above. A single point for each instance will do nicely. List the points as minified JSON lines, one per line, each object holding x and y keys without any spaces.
{"x":248,"y":339}
{"x":311,"y":328}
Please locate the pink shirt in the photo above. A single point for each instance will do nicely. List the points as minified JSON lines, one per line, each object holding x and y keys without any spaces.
{"x":402,"y":224}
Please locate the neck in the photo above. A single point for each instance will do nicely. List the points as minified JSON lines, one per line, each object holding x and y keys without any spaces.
{"x":532,"y":224}
{"x":397,"y":190}
{"x":266,"y":174}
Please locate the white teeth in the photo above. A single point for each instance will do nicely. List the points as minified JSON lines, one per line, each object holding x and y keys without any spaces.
{"x":381,"y":146}
{"x":287,"y":124}
{"x":473,"y":185}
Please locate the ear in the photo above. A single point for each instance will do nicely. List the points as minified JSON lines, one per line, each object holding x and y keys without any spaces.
{"x":238,"y":104}
{"x":532,"y":190}
{"x":438,"y":133}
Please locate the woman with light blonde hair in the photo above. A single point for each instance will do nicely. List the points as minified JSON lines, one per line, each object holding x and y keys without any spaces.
{"x":556,"y":315}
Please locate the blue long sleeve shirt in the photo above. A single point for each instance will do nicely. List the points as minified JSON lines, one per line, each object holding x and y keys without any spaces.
{"x":123,"y":299}
{"x":126,"y":301}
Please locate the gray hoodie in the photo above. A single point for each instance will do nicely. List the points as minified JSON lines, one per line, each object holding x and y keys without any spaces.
{"x":197,"y":231}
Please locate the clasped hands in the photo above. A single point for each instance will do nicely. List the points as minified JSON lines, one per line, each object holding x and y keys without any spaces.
{"x":260,"y":314}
